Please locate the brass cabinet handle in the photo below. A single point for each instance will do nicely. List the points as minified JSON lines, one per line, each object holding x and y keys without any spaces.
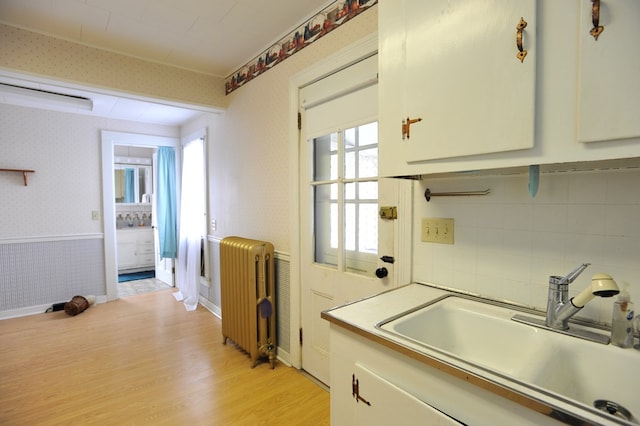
{"x":521,"y":51}
{"x":595,"y":18}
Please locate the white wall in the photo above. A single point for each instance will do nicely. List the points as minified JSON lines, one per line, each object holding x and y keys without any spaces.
{"x":507,"y":243}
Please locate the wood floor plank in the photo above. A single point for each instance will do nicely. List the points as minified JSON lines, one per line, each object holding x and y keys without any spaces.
{"x":143,"y":360}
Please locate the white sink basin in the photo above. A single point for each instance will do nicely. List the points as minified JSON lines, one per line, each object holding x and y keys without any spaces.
{"x":472,"y":331}
{"x":484,"y":336}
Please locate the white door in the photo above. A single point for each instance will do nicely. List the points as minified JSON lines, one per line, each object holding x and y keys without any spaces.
{"x":164,"y":267}
{"x":341,"y":236}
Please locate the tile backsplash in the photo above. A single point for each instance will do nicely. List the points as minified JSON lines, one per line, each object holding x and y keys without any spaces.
{"x":508,"y":243}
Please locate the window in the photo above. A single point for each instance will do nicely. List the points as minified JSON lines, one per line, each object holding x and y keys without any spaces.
{"x":345,"y":188}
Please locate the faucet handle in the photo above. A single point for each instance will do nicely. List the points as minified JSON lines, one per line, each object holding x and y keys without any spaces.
{"x":571,"y":276}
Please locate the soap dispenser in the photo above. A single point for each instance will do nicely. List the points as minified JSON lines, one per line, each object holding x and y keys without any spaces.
{"x":622,"y":320}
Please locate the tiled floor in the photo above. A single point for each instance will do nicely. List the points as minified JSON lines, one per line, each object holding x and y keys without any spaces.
{"x":133,"y":288}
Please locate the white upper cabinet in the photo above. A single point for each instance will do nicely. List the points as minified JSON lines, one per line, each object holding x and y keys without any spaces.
{"x":609,"y":79}
{"x":465,"y":69}
{"x":451,"y":69}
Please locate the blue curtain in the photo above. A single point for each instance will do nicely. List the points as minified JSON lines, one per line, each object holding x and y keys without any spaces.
{"x":166,"y":203}
{"x":129,"y":182}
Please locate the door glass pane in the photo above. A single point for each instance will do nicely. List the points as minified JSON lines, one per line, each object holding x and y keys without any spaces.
{"x":325,"y":158}
{"x":349,"y":165}
{"x":368,"y":190}
{"x":350,"y":191}
{"x":350,"y":138}
{"x":350,"y":226}
{"x":368,"y":134}
{"x":368,"y":162}
{"x":325,"y":224}
{"x":368,"y":228}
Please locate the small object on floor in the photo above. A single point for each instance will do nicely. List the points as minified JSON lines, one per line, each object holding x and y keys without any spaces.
{"x":55,"y":307}
{"x":78,"y":304}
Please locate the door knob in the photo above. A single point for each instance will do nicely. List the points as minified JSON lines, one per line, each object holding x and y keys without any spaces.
{"x":382,"y":272}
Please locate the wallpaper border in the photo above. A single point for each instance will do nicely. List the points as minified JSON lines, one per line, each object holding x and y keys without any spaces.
{"x":330,"y":18}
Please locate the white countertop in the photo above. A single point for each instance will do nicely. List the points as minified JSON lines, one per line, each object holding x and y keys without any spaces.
{"x":363,"y":315}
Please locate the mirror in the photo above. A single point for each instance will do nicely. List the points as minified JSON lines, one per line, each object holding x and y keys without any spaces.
{"x":133,"y":183}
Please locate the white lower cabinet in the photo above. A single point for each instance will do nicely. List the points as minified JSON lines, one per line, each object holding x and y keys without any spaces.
{"x":375,"y":396}
{"x":135,"y":249}
{"x":404,"y":391}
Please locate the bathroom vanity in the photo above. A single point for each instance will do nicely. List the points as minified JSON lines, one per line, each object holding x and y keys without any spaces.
{"x":448,"y":358}
{"x":136,"y":249}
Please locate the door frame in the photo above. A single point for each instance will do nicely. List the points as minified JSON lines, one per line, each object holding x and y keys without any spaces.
{"x":341,"y":59}
{"x":109,"y":140}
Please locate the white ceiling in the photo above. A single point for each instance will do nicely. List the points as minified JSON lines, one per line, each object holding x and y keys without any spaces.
{"x":215,"y":37}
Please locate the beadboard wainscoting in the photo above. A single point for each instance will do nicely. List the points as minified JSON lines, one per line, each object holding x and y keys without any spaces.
{"x":36,"y":272}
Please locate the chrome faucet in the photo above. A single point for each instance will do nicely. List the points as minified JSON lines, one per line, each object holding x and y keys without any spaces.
{"x":559,"y":307}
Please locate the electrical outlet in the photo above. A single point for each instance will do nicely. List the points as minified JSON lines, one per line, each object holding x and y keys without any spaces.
{"x":437,"y":230}
{"x":95,"y":215}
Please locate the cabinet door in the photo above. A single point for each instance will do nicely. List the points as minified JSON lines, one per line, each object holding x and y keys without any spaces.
{"x":127,"y":254}
{"x":610,"y":72}
{"x":383,"y":403}
{"x":453,"y":64}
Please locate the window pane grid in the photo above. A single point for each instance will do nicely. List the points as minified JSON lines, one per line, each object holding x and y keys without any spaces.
{"x":346,"y":190}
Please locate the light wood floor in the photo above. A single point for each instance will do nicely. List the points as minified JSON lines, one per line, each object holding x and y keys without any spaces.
{"x":143,"y":360}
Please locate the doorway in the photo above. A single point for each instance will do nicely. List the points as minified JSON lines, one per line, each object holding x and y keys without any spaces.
{"x":134,"y":184}
{"x":126,"y":248}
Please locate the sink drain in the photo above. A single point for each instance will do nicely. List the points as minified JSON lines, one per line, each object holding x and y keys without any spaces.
{"x":613,"y":408}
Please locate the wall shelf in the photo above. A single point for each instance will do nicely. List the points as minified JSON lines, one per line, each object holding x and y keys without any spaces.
{"x":23,"y":171}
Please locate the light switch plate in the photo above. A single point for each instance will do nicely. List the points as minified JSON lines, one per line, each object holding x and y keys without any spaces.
{"x":437,"y":230}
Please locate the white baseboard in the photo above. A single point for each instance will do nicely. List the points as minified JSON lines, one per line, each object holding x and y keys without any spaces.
{"x":34,"y":310}
{"x":215,"y":310}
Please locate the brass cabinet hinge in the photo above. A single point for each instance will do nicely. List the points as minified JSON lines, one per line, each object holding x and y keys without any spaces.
{"x":299,"y":121}
{"x":355,"y":390}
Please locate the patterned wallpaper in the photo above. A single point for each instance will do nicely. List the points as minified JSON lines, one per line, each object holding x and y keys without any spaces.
{"x":28,"y":52}
{"x":249,"y":150}
{"x":64,"y":151}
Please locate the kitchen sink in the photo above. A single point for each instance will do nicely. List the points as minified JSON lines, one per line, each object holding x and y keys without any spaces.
{"x":481,"y":334}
